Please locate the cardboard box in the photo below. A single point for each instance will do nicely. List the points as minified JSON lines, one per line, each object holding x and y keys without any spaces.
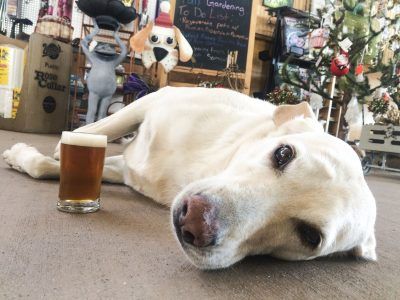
{"x":44,"y":99}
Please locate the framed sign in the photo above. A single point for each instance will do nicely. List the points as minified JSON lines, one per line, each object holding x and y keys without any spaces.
{"x":218,"y":31}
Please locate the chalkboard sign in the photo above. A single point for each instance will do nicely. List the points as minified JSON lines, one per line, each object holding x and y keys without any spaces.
{"x":215,"y":29}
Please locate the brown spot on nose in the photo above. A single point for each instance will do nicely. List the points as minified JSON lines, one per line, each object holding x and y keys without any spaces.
{"x":197,"y":221}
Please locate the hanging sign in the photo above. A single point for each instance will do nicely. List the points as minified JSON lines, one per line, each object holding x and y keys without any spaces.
{"x":217,"y":30}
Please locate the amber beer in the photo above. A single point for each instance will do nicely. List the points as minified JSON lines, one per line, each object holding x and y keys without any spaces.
{"x":81,"y":169}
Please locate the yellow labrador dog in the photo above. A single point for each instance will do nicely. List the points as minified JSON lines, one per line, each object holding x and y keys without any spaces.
{"x":241,"y":176}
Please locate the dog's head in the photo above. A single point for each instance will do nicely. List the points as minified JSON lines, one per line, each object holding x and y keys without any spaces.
{"x":159,"y":43}
{"x":296,"y":194}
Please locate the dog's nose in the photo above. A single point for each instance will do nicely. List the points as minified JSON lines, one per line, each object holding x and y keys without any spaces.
{"x":196,"y":221}
{"x":160,"y":53}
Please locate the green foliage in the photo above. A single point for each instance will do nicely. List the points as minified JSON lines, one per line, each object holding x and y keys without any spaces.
{"x":353,"y":20}
{"x":282,"y":96}
{"x":379,"y":106}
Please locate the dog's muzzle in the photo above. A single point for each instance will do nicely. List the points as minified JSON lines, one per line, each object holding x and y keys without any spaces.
{"x":196,"y":222}
{"x":160,"y":53}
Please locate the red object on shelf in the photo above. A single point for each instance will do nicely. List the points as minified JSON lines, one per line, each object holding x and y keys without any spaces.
{"x":340,"y":65}
{"x":359,"y":69}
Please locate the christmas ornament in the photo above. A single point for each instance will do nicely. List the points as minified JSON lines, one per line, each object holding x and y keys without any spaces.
{"x":345,"y":45}
{"x":353,"y":113}
{"x":319,"y":37}
{"x":340,"y":65}
{"x":359,"y":69}
{"x":376,"y":25}
{"x":359,"y":72}
{"x":316,"y":101}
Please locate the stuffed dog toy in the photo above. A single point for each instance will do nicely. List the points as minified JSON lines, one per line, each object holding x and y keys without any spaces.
{"x":242,"y":176}
{"x":158,"y":42}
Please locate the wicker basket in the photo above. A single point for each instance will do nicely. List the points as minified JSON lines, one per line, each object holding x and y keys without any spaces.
{"x":55,"y":27}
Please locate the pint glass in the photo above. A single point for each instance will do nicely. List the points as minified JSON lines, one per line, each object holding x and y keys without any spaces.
{"x":81,"y":169}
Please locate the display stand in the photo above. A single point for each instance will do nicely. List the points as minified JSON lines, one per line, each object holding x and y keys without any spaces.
{"x":277,"y":45}
{"x":331,"y":113}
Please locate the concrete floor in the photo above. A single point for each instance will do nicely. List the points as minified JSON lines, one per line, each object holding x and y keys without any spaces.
{"x":127,"y":250}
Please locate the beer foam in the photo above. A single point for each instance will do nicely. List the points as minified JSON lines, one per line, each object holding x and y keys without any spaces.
{"x":84,"y":139}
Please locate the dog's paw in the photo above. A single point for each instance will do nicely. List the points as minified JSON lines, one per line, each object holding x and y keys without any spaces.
{"x":11,"y":156}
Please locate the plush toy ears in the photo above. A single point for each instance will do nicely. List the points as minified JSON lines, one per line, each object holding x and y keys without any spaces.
{"x":285,"y":113}
{"x":185,"y":50}
{"x":139,"y":39}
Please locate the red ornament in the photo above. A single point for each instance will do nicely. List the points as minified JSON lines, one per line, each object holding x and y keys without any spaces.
{"x":340,"y":65}
{"x":386,"y":97}
{"x":359,"y":69}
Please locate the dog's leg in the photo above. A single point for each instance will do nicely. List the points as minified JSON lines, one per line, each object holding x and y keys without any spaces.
{"x":27,"y":159}
{"x":113,"y":171}
{"x":126,"y":120}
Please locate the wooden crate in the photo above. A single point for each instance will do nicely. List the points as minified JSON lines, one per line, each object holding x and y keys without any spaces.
{"x":383,"y":138}
{"x":44,"y":100}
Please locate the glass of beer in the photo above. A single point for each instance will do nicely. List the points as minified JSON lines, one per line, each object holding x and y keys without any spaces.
{"x":81,"y":168}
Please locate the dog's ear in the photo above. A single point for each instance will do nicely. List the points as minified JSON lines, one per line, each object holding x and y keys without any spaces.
{"x":139,"y":39}
{"x":367,"y":249}
{"x":285,"y":113}
{"x":185,"y":50}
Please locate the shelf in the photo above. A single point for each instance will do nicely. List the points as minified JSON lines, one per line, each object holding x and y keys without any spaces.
{"x":120,"y":31}
{"x":81,"y":110}
{"x":297,"y":61}
{"x":264,"y":37}
{"x":287,"y":11}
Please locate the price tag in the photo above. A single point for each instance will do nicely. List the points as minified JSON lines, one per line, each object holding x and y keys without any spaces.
{"x":345,"y":44}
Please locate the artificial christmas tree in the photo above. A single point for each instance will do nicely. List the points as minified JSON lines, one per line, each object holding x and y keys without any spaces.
{"x":362,"y":50}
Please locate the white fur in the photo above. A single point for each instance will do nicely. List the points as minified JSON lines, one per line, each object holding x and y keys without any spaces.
{"x":220,"y":143}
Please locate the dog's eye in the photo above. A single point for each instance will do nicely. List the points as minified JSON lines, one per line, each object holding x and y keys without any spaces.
{"x":283,"y":155}
{"x":170,"y":40}
{"x":154,"y":38}
{"x":309,"y":235}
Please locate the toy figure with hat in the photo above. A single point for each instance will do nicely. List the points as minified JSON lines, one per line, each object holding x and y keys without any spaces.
{"x":107,"y":14}
{"x":162,"y":42}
